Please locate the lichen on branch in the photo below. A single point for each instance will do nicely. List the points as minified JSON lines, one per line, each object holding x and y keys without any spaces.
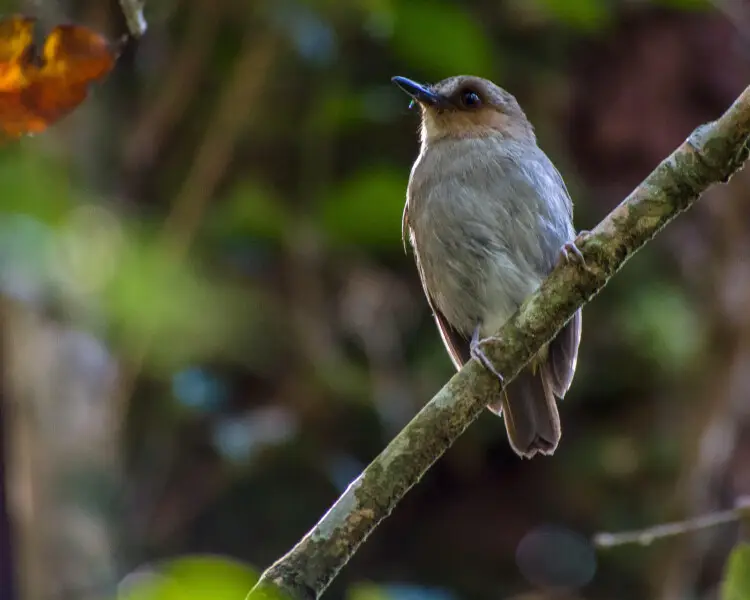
{"x":712,"y":154}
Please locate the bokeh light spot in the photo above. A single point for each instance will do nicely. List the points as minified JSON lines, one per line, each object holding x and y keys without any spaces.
{"x":554,"y":557}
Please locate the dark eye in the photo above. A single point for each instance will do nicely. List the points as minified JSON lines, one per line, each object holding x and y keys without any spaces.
{"x":470,"y":99}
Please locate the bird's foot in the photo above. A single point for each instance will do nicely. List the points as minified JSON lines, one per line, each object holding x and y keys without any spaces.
{"x":570,"y":250}
{"x":476,"y":352}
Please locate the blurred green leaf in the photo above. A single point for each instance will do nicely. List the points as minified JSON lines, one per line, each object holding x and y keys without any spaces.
{"x":660,"y":322}
{"x":33,"y":185}
{"x":193,"y":578}
{"x":251,"y":208}
{"x":366,"y":591}
{"x":366,"y":209}
{"x":736,"y":583}
{"x":336,"y":108}
{"x":185,"y":316}
{"x":379,"y":16}
{"x":441,"y":39}
{"x":579,"y":14}
{"x":340,"y":109}
{"x":347,"y":379}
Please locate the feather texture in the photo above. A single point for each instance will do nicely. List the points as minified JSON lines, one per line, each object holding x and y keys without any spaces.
{"x":487,"y":217}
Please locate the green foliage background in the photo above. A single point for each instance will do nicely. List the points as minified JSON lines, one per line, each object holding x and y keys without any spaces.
{"x":224,"y":215}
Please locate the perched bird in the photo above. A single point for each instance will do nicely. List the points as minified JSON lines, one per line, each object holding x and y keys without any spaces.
{"x":488,"y":216}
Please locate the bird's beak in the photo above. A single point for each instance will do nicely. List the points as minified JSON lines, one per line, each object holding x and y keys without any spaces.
{"x":421,"y":93}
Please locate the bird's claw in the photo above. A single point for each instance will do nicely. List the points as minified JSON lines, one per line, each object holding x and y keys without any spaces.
{"x":571,"y":248}
{"x":476,"y":352}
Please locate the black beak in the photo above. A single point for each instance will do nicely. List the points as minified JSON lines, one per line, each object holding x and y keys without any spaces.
{"x":420,"y":93}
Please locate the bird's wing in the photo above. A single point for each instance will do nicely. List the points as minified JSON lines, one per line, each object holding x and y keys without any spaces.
{"x":405,"y":224}
{"x":563,"y":349}
{"x":455,"y":343}
{"x":563,"y":355}
{"x":561,"y":181}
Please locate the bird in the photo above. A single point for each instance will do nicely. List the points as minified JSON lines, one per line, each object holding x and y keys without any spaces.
{"x":488,"y":217}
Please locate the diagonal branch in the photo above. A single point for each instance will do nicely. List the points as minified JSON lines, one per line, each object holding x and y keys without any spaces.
{"x":710,"y":155}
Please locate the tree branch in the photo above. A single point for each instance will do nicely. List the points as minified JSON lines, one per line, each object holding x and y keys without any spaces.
{"x":132,"y":10}
{"x":711,"y":154}
{"x":645,"y":537}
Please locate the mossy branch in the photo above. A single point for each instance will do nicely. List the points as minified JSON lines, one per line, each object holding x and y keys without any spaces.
{"x":712,"y":154}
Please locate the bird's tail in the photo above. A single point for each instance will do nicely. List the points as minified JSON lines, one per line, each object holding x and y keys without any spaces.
{"x":529,"y":409}
{"x":529,"y":403}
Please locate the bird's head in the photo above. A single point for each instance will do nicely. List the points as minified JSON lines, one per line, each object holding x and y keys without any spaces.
{"x":466,"y":106}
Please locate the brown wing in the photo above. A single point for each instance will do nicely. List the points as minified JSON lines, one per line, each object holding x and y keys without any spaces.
{"x":563,"y":355}
{"x":563,"y":349}
{"x":405,"y":224}
{"x":455,"y":343}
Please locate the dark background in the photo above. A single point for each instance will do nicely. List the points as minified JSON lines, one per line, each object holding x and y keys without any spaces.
{"x":210,"y":326}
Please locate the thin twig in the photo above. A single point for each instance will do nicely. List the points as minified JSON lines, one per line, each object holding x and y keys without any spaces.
{"x":712,"y":154}
{"x":645,"y":537}
{"x":132,"y":10}
{"x":162,"y":113}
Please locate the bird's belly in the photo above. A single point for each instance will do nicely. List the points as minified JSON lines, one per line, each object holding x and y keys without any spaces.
{"x":509,"y":284}
{"x":476,"y":286}
{"x":455,"y":293}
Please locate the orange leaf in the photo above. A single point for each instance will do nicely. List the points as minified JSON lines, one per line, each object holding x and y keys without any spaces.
{"x":37,"y":89}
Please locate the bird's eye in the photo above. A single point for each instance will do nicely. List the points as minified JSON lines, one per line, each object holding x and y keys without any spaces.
{"x":470,"y":99}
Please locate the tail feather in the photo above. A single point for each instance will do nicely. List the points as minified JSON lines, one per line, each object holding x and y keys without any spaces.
{"x":529,"y":404}
{"x":529,"y":410}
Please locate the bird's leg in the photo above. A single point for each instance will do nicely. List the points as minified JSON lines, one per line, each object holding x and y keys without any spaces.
{"x":571,"y":248}
{"x":476,"y":352}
